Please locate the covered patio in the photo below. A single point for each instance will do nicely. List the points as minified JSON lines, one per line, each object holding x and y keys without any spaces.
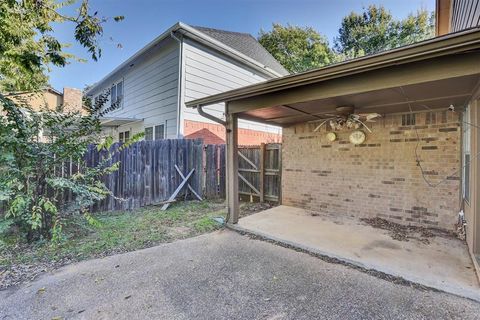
{"x":414,"y":165}
{"x":435,"y":260}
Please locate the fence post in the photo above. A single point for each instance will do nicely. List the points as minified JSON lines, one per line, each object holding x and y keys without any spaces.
{"x":262,"y":173}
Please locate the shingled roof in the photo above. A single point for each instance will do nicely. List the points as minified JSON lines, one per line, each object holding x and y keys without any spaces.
{"x":246,"y":44}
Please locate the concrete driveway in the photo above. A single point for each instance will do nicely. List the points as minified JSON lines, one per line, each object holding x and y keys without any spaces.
{"x":222,"y":275}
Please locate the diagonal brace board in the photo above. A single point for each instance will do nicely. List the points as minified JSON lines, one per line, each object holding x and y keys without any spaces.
{"x":249,"y":184}
{"x":248,"y":160}
{"x":188,"y":185}
{"x":177,"y":191}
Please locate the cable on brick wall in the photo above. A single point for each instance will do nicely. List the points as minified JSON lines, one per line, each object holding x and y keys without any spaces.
{"x":417,"y":158}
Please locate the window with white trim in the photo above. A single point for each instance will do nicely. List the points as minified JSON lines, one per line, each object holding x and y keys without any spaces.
{"x":159,"y":132}
{"x":149,"y":133}
{"x":116,"y":93}
{"x":124,"y":136}
{"x":466,"y":156}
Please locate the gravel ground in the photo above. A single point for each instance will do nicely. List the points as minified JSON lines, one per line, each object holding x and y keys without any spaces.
{"x":222,"y":275}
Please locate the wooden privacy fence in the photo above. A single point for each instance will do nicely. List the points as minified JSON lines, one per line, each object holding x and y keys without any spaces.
{"x":214,"y":171}
{"x":259,"y":171}
{"x":147,"y":173}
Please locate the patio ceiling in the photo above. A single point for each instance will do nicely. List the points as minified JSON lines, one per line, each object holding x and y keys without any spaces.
{"x":421,"y":85}
{"x":419,"y":97}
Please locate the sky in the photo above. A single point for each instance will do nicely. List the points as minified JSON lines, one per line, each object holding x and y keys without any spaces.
{"x":146,"y":19}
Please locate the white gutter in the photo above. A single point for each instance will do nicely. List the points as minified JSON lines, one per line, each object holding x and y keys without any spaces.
{"x":198,"y":36}
{"x":180,"y":82}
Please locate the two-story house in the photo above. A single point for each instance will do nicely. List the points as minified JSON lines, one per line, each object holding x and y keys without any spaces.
{"x":182,"y":64}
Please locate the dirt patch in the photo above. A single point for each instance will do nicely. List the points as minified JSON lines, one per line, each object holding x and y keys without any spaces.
{"x":248,"y":208}
{"x":406,"y":233}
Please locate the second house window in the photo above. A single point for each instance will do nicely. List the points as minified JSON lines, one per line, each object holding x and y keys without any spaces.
{"x":116,"y":93}
{"x":123,"y":136}
{"x":157,"y":132}
{"x":149,"y":133}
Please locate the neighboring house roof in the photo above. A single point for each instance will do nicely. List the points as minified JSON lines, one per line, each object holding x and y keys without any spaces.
{"x":246,"y":44}
{"x":208,"y":136}
{"x":268,"y":69}
{"x":37,"y":100}
{"x":46,"y":89}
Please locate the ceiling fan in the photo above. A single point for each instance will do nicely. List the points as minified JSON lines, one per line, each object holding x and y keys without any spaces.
{"x":347,"y":119}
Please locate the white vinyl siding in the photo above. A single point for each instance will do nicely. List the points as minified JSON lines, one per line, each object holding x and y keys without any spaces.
{"x":150,"y":91}
{"x":208,"y":72}
{"x":465,"y":14}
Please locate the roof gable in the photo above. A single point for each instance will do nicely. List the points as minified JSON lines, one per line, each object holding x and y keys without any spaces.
{"x":240,"y":46}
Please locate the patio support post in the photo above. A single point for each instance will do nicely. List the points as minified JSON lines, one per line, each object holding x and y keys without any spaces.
{"x":232,"y":167}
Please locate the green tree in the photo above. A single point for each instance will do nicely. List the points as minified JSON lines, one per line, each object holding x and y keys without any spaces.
{"x":416,"y":27}
{"x":28,"y":46}
{"x":297,"y":49}
{"x":376,"y":30}
{"x":34,"y":146}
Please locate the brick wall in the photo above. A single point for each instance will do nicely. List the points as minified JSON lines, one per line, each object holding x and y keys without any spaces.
{"x":215,"y":134}
{"x":380,"y":177}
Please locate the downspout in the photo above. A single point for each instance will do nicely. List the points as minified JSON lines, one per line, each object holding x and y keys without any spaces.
{"x":180,"y":81}
{"x":209,"y":116}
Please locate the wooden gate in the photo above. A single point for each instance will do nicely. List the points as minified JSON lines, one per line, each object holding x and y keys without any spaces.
{"x":259,"y":171}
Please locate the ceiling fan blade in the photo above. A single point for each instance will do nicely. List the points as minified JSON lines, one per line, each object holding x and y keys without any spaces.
{"x":320,"y":125}
{"x":370,"y":115}
{"x":329,"y":115}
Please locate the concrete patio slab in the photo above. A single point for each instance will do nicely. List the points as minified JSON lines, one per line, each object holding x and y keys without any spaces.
{"x":443,"y":263}
{"x":222,"y":275}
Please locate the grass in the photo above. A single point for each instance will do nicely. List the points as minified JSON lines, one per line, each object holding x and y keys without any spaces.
{"x":116,"y":232}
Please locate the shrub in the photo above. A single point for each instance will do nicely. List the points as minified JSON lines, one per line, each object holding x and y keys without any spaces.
{"x":34,"y":146}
